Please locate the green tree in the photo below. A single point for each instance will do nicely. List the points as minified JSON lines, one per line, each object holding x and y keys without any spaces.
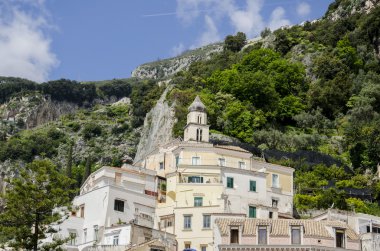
{"x":30,"y":202}
{"x":235,"y":43}
{"x":87,"y":169}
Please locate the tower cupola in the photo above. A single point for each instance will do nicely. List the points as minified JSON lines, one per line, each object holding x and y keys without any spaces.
{"x":196,"y":128}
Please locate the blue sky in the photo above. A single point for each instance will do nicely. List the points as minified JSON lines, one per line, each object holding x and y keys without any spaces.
{"x":105,"y":39}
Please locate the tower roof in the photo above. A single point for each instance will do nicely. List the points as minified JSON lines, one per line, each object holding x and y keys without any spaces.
{"x":197,"y":105}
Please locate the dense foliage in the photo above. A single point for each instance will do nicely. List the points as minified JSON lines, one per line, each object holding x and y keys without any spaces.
{"x":30,"y":201}
{"x":315,"y":88}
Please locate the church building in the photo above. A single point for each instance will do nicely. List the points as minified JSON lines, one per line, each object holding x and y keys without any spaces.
{"x":198,"y":181}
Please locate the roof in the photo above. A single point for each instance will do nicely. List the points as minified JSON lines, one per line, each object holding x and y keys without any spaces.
{"x":197,"y":105}
{"x":230,"y":147}
{"x":280,"y":227}
{"x":151,"y":243}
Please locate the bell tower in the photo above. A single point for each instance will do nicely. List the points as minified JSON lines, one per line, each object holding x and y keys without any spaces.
{"x":196,"y":128}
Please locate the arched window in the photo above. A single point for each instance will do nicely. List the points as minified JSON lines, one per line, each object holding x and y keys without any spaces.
{"x":199,"y":119}
{"x":197,"y":134}
{"x":200,"y":134}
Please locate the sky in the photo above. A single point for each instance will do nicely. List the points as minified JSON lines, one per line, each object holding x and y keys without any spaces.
{"x":87,"y":40}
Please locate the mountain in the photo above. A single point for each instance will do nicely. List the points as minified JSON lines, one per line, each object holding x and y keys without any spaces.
{"x":306,"y":96}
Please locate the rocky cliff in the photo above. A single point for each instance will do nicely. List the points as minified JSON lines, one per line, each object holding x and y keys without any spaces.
{"x":168,"y":67}
{"x":344,"y":8}
{"x":33,"y":109}
{"x":158,"y":126}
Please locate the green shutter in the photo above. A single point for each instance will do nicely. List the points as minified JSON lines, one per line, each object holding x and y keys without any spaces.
{"x":252,"y":186}
{"x":252,"y":212}
{"x":230,"y":182}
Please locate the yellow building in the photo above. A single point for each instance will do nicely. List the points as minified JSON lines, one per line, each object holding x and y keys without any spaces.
{"x":197,"y":180}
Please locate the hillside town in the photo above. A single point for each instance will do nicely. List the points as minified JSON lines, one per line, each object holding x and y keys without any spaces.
{"x":190,"y":194}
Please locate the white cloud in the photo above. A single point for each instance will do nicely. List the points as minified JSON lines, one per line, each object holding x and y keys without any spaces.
{"x":25,"y":50}
{"x":277,"y":19}
{"x":210,"y":35}
{"x":303,"y":9}
{"x":177,"y":50}
{"x":249,"y":20}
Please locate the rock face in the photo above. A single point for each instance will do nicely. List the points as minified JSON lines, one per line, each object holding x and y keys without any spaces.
{"x":158,"y":126}
{"x":34,"y":109}
{"x":347,"y":8}
{"x":168,"y":67}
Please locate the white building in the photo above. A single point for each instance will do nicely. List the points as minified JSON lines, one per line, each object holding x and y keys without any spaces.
{"x":111,"y":198}
{"x":365,"y":225}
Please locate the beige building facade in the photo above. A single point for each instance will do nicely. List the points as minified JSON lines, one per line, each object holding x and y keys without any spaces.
{"x":197,"y":180}
{"x":238,"y":234}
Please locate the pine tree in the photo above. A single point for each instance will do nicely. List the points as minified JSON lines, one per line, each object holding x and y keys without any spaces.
{"x":70,"y":160}
{"x":30,"y":202}
{"x":87,"y":169}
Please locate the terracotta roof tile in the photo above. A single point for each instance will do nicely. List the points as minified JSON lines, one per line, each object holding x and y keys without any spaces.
{"x":281,"y":227}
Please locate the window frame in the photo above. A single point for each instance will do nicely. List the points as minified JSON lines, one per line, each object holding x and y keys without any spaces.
{"x":250,"y":186}
{"x":230,"y":182}
{"x":197,"y":162}
{"x":265,"y":229}
{"x":73,"y":238}
{"x":242,"y":165}
{"x":206,"y":219}
{"x":277,"y":183}
{"x":254,"y":211}
{"x":234,"y":229}
{"x":115,"y":239}
{"x":187,"y":224}
{"x":292,"y":239}
{"x":195,"y":178}
{"x":198,"y":201}
{"x":117,"y":207}
{"x":343,"y":236}
{"x":222,"y":161}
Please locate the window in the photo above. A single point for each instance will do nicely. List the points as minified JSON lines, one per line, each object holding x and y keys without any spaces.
{"x":270,"y":215}
{"x":262,"y":235}
{"x":230,"y":182}
{"x":203,"y":248}
{"x":198,"y":201}
{"x":187,"y":244}
{"x":199,"y":134}
{"x":85,"y":235}
{"x":275,"y":181}
{"x":234,"y":236}
{"x":222,"y":162}
{"x":195,"y":161}
{"x":252,"y":212}
{"x":187,"y":222}
{"x":161,"y":165}
{"x":374,"y":229}
{"x":169,"y":223}
{"x":82,"y":211}
{"x":339,"y":236}
{"x":274,"y":203}
{"x":96,"y":229}
{"x":195,"y":179}
{"x":176,"y":161}
{"x":206,"y":221}
{"x":119,"y":205}
{"x":73,"y":238}
{"x":115,"y":240}
{"x":296,"y":235}
{"x":252,"y":185}
{"x":241,"y":164}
